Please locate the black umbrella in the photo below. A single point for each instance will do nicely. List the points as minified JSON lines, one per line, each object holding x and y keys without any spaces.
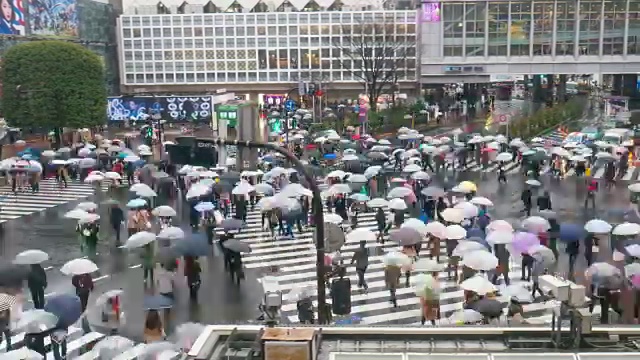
{"x":488,"y":307}
{"x":12,"y":276}
{"x":237,"y":246}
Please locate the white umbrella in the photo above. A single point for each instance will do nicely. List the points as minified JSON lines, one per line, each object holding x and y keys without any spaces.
{"x":499,"y":225}
{"x":597,"y":226}
{"x":505,"y":156}
{"x":468,"y":209}
{"x":428,"y":265}
{"x":481,"y":201}
{"x":634,"y":187}
{"x":29,"y":257}
{"x":397,"y":204}
{"x":500,"y":237}
{"x":171,"y":233}
{"x":266,"y":203}
{"x":517,"y":292}
{"x":411,"y":168}
{"x":536,"y":224}
{"x":333,"y":218}
{"x":295,"y":190}
{"x":146,"y":192}
{"x":437,"y":229}
{"x":478,"y":284}
{"x":338,"y":189}
{"x":399,"y":192}
{"x":357,"y":178}
{"x":420,"y":175}
{"x":627,"y":229}
{"x":244,"y":188}
{"x":76,"y":214}
{"x":48,"y":153}
{"x":416,"y":225}
{"x":140,"y":239}
{"x":139,"y":187}
{"x":205,"y":206}
{"x":87,"y":206}
{"x":361,"y":234}
{"x":197,"y":191}
{"x":395,"y":258}
{"x":377,"y":203}
{"x":452,"y":215}
{"x":455,"y":232}
{"x":372,"y":171}
{"x":89,"y":218}
{"x":465,"y":316}
{"x":633,"y":250}
{"x":533,"y":182}
{"x":164,"y":211}
{"x":465,"y":246}
{"x":112,"y":175}
{"x":481,"y":260}
{"x":336,"y":174}
{"x":79,"y":267}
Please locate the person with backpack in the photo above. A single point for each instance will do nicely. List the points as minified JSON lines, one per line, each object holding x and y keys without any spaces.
{"x":84,"y":285}
{"x":37,"y":282}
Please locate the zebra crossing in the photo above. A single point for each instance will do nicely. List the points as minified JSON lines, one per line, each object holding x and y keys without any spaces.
{"x":78,"y":344}
{"x":295,"y":262}
{"x":51,"y":194}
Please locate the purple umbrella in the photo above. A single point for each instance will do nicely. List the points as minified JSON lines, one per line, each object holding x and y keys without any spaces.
{"x":523,"y":241}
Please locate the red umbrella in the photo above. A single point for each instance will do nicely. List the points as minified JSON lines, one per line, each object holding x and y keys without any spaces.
{"x":310,"y":147}
{"x":355,"y":137}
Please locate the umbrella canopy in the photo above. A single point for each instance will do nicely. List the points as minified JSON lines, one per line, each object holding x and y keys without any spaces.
{"x":112,"y":346}
{"x":193,"y":246}
{"x":395,"y":258}
{"x":416,"y":225}
{"x":523,"y":241}
{"x":480,"y":260}
{"x":571,"y":232}
{"x":397,"y":204}
{"x":517,"y":292}
{"x":12,"y":275}
{"x":406,"y":236}
{"x":627,"y":229}
{"x":453,"y":215}
{"x":455,"y":232}
{"x":428,"y":265}
{"x":171,"y":233}
{"x":500,"y":237}
{"x":205,"y":206}
{"x":156,"y":302}
{"x":478,"y":284}
{"x":79,"y":267}
{"x":186,"y":334}
{"x":232,"y":224}
{"x":433,"y":192}
{"x":139,"y":240}
{"x":136,"y":203}
{"x":377,"y":203}
{"x":361,"y":234}
{"x":437,"y":229}
{"x":76,"y":214}
{"x":466,"y":246}
{"x":597,"y":226}
{"x":488,"y":307}
{"x":67,"y":307}
{"x":164,"y":211}
{"x":30,"y":257}
{"x":36,"y":321}
{"x":465,"y":316}
{"x":237,"y":246}
{"x":7,"y":301}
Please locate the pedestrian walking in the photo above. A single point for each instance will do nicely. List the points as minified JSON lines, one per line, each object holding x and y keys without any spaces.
{"x":37,"y":282}
{"x":84,"y":286}
{"x":361,"y":260}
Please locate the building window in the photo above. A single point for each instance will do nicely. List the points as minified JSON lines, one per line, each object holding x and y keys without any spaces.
{"x":521,"y":25}
{"x":566,"y":28}
{"x":543,"y":19}
{"x":633,"y":40}
{"x":615,"y":12}
{"x":589,"y":33}
{"x":498,"y":28}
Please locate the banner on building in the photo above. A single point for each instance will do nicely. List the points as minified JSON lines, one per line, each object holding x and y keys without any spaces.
{"x":171,"y":108}
{"x":55,"y":17}
{"x":12,"y":18}
{"x":431,"y":11}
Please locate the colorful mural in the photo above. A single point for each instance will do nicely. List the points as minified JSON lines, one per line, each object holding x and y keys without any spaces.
{"x":12,"y":17}
{"x":53,"y":17}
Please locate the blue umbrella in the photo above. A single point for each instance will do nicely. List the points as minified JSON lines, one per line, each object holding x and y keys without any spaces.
{"x":330,"y":156}
{"x":477,"y":233}
{"x":267,"y":159}
{"x":157,"y":302}
{"x":67,"y":307}
{"x":139,"y":163}
{"x":193,"y":246}
{"x":571,"y":232}
{"x":135,"y":203}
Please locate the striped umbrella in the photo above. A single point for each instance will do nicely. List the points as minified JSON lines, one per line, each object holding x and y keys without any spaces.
{"x":7,"y":301}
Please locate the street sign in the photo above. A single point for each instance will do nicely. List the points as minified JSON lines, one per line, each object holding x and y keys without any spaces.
{"x":503,"y":119}
{"x":289,"y":105}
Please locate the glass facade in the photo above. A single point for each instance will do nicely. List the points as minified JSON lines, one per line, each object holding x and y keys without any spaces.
{"x":541,"y":27}
{"x":256,"y":47}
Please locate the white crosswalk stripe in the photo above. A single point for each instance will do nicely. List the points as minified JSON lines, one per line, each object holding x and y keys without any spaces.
{"x":295,"y":261}
{"x":77,"y":342}
{"x":50,"y":195}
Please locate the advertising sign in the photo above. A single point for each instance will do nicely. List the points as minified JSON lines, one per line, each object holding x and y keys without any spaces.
{"x":273,"y":100}
{"x":12,"y":18}
{"x":172,"y":109}
{"x":228,"y":113}
{"x":55,"y":17}
{"x":431,"y":12}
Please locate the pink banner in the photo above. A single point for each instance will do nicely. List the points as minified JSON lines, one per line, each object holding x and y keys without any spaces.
{"x":431,"y":12}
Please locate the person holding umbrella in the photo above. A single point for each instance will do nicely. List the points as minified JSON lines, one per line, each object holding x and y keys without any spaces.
{"x":5,"y":322}
{"x":234,"y":249}
{"x":192,"y":271}
{"x":84,"y":285}
{"x":68,"y":309}
{"x":153,"y":329}
{"x":37,"y":282}
{"x":116,"y":218}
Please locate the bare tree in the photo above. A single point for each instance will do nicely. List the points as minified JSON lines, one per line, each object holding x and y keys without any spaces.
{"x":373,"y":54}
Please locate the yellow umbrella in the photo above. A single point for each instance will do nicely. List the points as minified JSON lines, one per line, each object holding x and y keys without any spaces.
{"x":468,"y":186}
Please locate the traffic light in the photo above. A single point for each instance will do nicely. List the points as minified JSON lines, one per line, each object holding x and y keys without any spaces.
{"x":149,"y":132}
{"x":276,"y":125}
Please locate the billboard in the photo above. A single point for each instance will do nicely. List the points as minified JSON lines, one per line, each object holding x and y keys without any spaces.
{"x":12,"y":18}
{"x":172,"y":109}
{"x":53,"y":17}
{"x":431,"y":11}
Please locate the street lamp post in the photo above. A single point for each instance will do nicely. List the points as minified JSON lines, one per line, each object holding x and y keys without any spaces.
{"x":318,"y":216}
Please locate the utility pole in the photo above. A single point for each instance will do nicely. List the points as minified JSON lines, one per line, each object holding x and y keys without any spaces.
{"x":318,"y":215}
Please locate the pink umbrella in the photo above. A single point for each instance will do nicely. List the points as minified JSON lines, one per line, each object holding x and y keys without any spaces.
{"x":411,"y":198}
{"x":635,"y":281}
{"x":523,"y":241}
